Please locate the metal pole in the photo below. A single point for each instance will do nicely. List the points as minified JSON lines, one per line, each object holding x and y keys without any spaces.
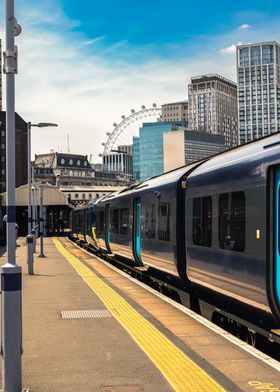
{"x":29,"y":176}
{"x":34,"y":206}
{"x":11,"y":272}
{"x":30,"y":254}
{"x":41,"y":233}
{"x":29,"y":237}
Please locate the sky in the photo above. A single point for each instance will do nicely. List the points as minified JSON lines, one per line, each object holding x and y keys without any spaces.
{"x":85,"y":63}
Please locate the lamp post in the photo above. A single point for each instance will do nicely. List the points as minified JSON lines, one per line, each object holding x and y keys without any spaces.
{"x":29,"y":126}
{"x":11,"y":298}
{"x":30,"y":237}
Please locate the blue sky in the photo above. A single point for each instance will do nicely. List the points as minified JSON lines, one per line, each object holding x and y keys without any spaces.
{"x":84,"y":63}
{"x":161,"y":24}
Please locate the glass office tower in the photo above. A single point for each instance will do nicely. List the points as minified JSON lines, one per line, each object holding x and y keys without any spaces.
{"x":258,"y":90}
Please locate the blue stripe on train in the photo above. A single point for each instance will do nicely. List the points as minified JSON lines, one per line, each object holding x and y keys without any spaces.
{"x":276,"y":233}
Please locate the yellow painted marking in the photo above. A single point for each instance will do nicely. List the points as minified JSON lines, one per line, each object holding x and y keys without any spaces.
{"x":93,"y":229}
{"x":183,"y":374}
{"x":276,"y":331}
{"x":263,"y":386}
{"x":258,"y":234}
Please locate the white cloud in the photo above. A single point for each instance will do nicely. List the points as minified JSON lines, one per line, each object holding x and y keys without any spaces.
{"x":65,"y":78}
{"x":230,"y":49}
{"x":244,"y":26}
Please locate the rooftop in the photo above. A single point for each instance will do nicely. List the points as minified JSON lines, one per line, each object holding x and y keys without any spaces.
{"x":212,"y":77}
{"x":257,"y":44}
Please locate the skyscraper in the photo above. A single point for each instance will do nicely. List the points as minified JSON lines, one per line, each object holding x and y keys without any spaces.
{"x":213,"y":107}
{"x":258,"y":73}
{"x":175,"y":111}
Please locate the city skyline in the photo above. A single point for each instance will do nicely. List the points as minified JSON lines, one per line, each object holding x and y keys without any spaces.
{"x":83,"y":71}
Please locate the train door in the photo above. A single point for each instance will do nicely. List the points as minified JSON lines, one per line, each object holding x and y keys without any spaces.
{"x":277,"y":233}
{"x":137,"y":230}
{"x":107,"y":227}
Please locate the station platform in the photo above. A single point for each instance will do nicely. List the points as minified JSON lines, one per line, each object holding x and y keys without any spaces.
{"x":89,"y":327}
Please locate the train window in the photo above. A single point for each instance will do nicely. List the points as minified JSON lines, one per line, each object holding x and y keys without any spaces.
{"x":163,"y":221}
{"x":115,"y":222}
{"x":101,"y":221}
{"x":124,"y":221}
{"x":232,"y":221}
{"x":202,"y":221}
{"x":150,"y":221}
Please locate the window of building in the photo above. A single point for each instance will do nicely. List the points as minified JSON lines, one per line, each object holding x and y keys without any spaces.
{"x":267,"y":54}
{"x":85,"y":163}
{"x":62,"y":161}
{"x":76,"y":195}
{"x":69,"y":195}
{"x":202,"y":221}
{"x":244,"y":57}
{"x":78,"y":162}
{"x":83,"y":196}
{"x":90,"y":195}
{"x":232,"y":221}
{"x":97,"y":194}
{"x":70,"y":161}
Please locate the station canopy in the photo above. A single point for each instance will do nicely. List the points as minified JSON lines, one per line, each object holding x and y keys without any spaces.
{"x":51,"y":197}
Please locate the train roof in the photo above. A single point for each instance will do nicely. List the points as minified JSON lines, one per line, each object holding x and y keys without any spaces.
{"x":243,"y":154}
{"x":251,"y":151}
{"x":166,"y":179}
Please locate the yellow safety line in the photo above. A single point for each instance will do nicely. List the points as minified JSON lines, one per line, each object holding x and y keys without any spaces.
{"x":183,"y":374}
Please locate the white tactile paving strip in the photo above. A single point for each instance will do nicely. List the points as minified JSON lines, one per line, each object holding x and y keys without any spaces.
{"x":84,"y":314}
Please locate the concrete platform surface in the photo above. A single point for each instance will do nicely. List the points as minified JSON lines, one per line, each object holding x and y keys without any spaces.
{"x":70,"y":355}
{"x":134,"y":340}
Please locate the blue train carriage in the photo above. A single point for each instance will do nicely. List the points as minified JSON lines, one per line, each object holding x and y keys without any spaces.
{"x":90,"y":224}
{"x":145,"y":223}
{"x":102,"y":223}
{"x":232,"y":230}
{"x":77,"y":218}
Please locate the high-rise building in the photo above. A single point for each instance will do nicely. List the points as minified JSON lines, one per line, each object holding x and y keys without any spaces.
{"x":148,"y":148}
{"x":1,"y":76}
{"x":20,"y":151}
{"x":258,"y":74}
{"x":175,"y":111}
{"x":185,"y":147}
{"x":212,"y":107}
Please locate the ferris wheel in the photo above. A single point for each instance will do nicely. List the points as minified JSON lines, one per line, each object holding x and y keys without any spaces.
{"x":128,"y":128}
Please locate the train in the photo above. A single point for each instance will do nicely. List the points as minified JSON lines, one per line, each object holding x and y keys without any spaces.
{"x":212,"y":225}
